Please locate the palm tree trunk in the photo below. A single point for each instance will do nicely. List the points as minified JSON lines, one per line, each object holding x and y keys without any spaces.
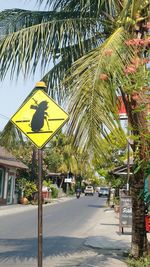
{"x":139,"y":245}
{"x":138,"y":122}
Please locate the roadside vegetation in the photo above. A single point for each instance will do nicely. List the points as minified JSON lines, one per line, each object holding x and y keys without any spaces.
{"x":142,"y":262}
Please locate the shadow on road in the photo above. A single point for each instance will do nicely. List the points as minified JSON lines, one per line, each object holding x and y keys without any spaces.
{"x":95,"y":206}
{"x":27,"y":248}
{"x":65,"y":247}
{"x":94,"y":260}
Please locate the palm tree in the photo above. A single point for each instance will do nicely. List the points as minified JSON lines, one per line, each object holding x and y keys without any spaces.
{"x":109,"y":42}
{"x":117,"y":67}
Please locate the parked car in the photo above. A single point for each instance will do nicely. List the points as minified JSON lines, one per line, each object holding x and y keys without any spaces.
{"x":89,"y":190}
{"x":104,"y":191}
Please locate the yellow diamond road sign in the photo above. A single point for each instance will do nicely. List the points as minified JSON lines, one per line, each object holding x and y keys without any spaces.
{"x":39,"y":118}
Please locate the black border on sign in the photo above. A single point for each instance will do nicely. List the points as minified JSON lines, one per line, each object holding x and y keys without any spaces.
{"x":28,"y":98}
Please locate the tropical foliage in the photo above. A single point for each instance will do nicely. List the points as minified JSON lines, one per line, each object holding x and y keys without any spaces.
{"x":54,"y":190}
{"x":58,"y":156}
{"x":114,"y":153}
{"x":25,"y":187}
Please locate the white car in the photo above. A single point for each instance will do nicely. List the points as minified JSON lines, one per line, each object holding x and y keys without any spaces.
{"x":89,"y":190}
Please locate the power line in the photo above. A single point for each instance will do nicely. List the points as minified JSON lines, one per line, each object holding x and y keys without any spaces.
{"x":4,"y":117}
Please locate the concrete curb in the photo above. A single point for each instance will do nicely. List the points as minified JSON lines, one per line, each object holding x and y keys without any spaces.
{"x":19,"y":208}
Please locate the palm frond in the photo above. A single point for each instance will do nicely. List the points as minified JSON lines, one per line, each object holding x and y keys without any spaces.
{"x":132,"y":12}
{"x":12,"y":20}
{"x":92,"y":106}
{"x":11,"y":136}
{"x":28,"y":46}
{"x":46,"y":2}
{"x":86,"y":7}
{"x":54,"y":78}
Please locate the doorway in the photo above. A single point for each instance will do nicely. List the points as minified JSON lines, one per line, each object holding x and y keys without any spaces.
{"x":10,"y":189}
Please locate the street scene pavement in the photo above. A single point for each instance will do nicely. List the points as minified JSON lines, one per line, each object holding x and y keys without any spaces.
{"x":103,"y":245}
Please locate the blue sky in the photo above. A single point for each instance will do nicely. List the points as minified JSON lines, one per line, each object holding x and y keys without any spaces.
{"x":13,"y":92}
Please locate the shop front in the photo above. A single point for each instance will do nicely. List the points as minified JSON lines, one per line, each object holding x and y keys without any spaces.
{"x":8,"y":167}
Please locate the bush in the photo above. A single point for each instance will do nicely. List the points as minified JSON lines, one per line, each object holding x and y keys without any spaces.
{"x":47,"y":183}
{"x":142,"y":262}
{"x":54,"y":192}
{"x":72,"y":192}
{"x":25,"y":187}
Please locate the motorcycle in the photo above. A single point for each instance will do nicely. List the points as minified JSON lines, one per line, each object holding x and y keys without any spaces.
{"x":77,"y":194}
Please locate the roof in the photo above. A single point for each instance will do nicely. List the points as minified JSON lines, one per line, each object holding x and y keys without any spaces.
{"x":122,"y":170}
{"x":7,"y":159}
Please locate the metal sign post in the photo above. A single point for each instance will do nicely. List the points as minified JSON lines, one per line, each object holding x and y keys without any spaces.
{"x":40,"y":211}
{"x":39,"y":118}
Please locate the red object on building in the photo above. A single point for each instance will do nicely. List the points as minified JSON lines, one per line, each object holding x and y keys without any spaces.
{"x":147,"y":223}
{"x":121,"y":106}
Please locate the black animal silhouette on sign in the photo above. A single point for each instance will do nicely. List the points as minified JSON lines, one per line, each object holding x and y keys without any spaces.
{"x":39,"y":116}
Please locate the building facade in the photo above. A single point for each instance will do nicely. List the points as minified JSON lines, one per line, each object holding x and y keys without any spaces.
{"x":8,"y":168}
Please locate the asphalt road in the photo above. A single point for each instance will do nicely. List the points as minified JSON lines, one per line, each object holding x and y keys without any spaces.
{"x":65,"y":228}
